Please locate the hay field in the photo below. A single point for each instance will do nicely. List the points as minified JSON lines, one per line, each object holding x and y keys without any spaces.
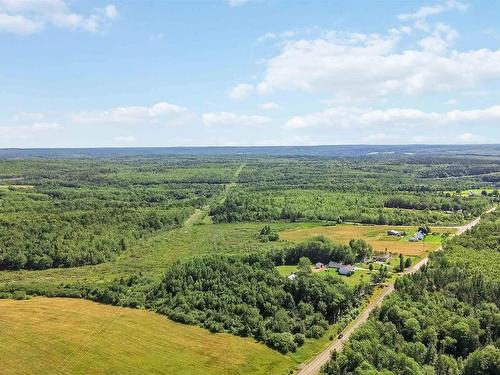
{"x":376,"y":235}
{"x":73,"y":336}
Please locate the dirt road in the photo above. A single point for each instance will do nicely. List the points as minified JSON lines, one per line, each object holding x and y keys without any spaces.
{"x":314,"y":366}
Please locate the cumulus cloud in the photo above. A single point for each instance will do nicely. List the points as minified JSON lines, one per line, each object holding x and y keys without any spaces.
{"x":338,"y":63}
{"x":162,"y":112}
{"x":30,"y":16}
{"x":233,"y":119}
{"x":434,"y":10}
{"x":360,"y":117}
{"x":240,"y":91}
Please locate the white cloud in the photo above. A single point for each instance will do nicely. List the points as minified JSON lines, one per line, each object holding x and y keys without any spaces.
{"x":452,"y":101}
{"x":19,"y":24}
{"x":240,"y":91}
{"x":237,"y":3}
{"x":233,"y":119}
{"x":110,"y":11}
{"x":434,"y":10}
{"x":269,"y":106}
{"x":351,"y":117}
{"x":26,"y":132}
{"x":469,"y":137}
{"x":30,"y":16}
{"x":162,"y":112}
{"x":337,"y":63}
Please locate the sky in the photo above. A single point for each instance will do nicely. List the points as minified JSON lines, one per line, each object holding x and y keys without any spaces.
{"x":88,"y":73}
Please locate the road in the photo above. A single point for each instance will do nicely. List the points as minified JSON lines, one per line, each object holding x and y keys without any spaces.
{"x":314,"y":366}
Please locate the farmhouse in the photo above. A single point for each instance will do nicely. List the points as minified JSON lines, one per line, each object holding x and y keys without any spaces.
{"x":381,"y":258}
{"x":418,"y":236}
{"x":336,"y":265}
{"x":347,"y":270}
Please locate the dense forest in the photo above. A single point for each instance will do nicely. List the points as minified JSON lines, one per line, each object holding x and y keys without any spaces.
{"x":246,"y":296}
{"x":76,"y":212}
{"x":73,"y":212}
{"x":445,"y":319}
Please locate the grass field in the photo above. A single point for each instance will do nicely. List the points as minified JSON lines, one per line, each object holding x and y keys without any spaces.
{"x":375,"y":235}
{"x":72,"y":336}
{"x":286,"y":270}
{"x":360,"y":276}
{"x":153,"y":255}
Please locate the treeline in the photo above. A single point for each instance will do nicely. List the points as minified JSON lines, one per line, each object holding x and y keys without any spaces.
{"x":320,"y":249}
{"x":68,"y":239}
{"x":445,"y":319}
{"x":367,"y":208}
{"x":246,"y":296}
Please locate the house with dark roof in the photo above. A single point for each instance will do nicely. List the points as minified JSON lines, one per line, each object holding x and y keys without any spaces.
{"x":347,"y":270}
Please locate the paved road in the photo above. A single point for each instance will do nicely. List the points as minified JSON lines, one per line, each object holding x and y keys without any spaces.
{"x":314,"y":366}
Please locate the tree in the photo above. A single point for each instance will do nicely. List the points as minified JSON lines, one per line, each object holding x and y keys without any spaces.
{"x":408,"y":262}
{"x":305,"y":264}
{"x":401,"y":263}
{"x":484,"y":361}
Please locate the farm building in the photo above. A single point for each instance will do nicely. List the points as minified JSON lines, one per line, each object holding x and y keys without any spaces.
{"x":292,"y":276}
{"x":381,"y":258}
{"x":393,"y":232}
{"x":333,"y":264}
{"x":347,"y":270}
{"x":418,"y":236}
{"x":319,"y":265}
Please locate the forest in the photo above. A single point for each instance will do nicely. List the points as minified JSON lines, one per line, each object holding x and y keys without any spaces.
{"x":246,"y":296}
{"x":445,"y":319}
{"x":66,"y":213}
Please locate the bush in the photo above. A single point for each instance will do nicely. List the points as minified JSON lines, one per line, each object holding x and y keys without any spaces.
{"x":282,"y":342}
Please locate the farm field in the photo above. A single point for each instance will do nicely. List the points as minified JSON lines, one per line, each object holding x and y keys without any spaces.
{"x":59,"y":335}
{"x":375,"y":235}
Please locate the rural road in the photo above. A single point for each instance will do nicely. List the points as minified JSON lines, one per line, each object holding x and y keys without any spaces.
{"x":314,"y":366}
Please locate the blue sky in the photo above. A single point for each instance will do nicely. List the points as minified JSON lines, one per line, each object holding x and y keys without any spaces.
{"x":165,"y":73}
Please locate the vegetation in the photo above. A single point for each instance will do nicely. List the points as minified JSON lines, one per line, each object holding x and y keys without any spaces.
{"x":203,"y":240}
{"x":48,"y":336}
{"x":445,"y":319}
{"x":248,"y":297}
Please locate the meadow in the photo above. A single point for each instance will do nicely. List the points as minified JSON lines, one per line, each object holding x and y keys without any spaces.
{"x":375,"y":235}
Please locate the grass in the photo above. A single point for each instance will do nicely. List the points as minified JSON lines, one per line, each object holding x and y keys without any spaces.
{"x":286,"y":270}
{"x":62,"y":336}
{"x":375,"y":235}
{"x":153,"y":255}
{"x":360,"y":276}
{"x":466,"y":193}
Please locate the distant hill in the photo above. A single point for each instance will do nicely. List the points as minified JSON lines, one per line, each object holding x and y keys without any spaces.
{"x":320,"y":151}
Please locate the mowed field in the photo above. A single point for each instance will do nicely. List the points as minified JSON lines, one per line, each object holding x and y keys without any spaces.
{"x":72,"y":336}
{"x":375,"y":235}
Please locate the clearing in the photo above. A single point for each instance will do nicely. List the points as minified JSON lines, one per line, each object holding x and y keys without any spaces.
{"x":375,"y":235}
{"x":73,"y":336}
